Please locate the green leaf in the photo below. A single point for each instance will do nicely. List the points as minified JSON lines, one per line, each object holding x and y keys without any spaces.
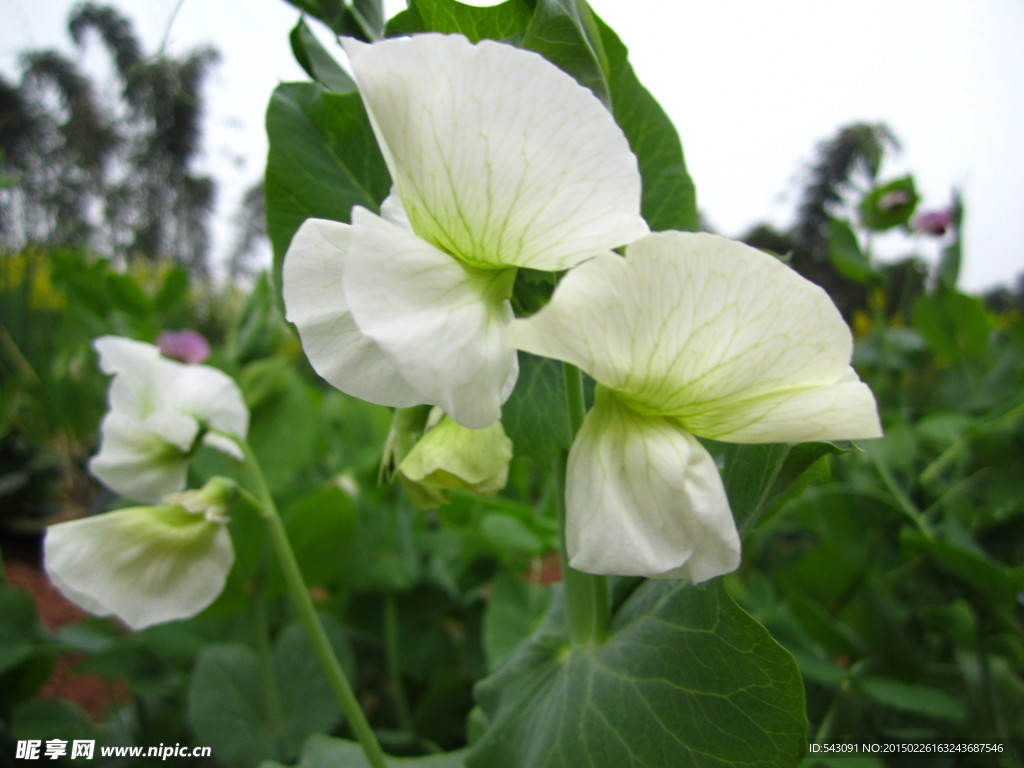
{"x":227,"y":707}
{"x":320,"y":527}
{"x":954,"y":325}
{"x":19,"y":630}
{"x":496,"y":22}
{"x":323,"y":160}
{"x":917,"y":699}
{"x":845,"y":253}
{"x":685,"y":678}
{"x":514,"y":611}
{"x":364,"y":19}
{"x":317,"y":62}
{"x":173,"y":293}
{"x":127,"y":295}
{"x":758,"y":477}
{"x":565,"y":33}
{"x":889,"y":205}
{"x":990,"y":581}
{"x":230,"y":710}
{"x":508,"y":534}
{"x":669,"y":197}
{"x":535,"y":416}
{"x":327,"y":752}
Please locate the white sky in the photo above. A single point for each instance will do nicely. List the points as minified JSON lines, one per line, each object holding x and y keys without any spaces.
{"x":752,"y":87}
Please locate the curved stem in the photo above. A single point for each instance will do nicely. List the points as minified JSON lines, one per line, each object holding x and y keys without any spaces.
{"x":391,"y":641}
{"x":586,"y":595}
{"x":307,"y":614}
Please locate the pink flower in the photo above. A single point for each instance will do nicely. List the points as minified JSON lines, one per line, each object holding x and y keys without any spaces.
{"x":934,"y":222}
{"x":187,"y":346}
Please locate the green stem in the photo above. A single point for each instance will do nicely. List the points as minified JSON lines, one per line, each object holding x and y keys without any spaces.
{"x":586,"y":595}
{"x":395,"y":662}
{"x":307,"y":614}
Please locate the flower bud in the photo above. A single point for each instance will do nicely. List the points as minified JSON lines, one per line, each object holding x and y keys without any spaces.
{"x":452,"y":457}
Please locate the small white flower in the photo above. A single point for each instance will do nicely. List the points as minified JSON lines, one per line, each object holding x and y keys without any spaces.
{"x":158,"y":409}
{"x":499,"y":161}
{"x":690,"y":334}
{"x":145,"y":565}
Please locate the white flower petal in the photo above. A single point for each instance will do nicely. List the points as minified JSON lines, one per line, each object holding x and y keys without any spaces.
{"x":205,"y":393}
{"x":224,"y":444}
{"x":315,"y":302}
{"x":644,"y":498}
{"x":137,"y":463}
{"x":134,"y":365}
{"x":146,"y":565}
{"x":438,"y":321}
{"x":499,"y":157}
{"x":842,"y":411}
{"x":711,"y":332}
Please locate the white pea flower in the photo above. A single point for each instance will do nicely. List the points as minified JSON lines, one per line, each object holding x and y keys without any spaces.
{"x":499,"y":160}
{"x":689,"y":334}
{"x":145,"y":565}
{"x":159,"y":408}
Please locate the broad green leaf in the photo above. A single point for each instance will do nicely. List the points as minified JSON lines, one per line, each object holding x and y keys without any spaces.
{"x":127,"y":295}
{"x":535,"y":415}
{"x":757,"y":477}
{"x":508,"y":534}
{"x":321,"y":527}
{"x":685,"y":678}
{"x":514,"y":611}
{"x":227,"y":707}
{"x":565,"y":33}
{"x":918,"y":699}
{"x":327,"y":752}
{"x":669,"y":197}
{"x":889,"y":205}
{"x":173,"y":293}
{"x":383,"y":554}
{"x":363,"y":19}
{"x":845,"y":253}
{"x":954,"y":325}
{"x":323,"y":160}
{"x":230,"y":709}
{"x":496,"y":22}
{"x":317,"y":62}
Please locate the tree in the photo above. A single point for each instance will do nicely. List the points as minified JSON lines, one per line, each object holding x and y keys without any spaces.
{"x":110,"y":171}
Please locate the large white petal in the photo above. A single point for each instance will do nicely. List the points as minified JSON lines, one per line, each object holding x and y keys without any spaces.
{"x":315,"y":301}
{"x":438,"y":321}
{"x":499,"y":157}
{"x":711,"y":332}
{"x":146,"y":565}
{"x":144,"y":464}
{"x":134,"y":365}
{"x":644,"y":498}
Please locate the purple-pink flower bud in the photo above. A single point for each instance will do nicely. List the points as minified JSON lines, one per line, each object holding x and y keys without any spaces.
{"x":188,"y":346}
{"x":934,"y":222}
